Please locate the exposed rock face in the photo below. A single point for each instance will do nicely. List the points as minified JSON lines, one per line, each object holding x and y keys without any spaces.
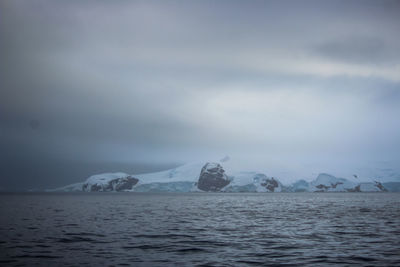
{"x":252,"y":182}
{"x":270,"y":184}
{"x":380,"y":186}
{"x":323,"y":187}
{"x":118,"y":184}
{"x":355,"y":189}
{"x":329,"y":183}
{"x":212,"y":178}
{"x":333,"y":185}
{"x":124,"y":183}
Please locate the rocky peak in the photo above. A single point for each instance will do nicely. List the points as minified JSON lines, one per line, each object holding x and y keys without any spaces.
{"x":103,"y":184}
{"x":212,"y":177}
{"x":380,"y":186}
{"x":270,"y":184}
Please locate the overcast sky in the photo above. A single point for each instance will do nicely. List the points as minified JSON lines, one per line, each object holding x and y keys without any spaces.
{"x":280,"y":86}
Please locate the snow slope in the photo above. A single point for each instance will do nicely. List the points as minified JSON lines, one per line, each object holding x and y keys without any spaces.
{"x":184,"y":179}
{"x":104,"y":178}
{"x":181,"y":179}
{"x":188,"y":173}
{"x":252,"y":182}
{"x":329,"y":183}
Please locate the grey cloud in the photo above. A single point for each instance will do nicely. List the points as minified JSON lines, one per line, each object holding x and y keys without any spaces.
{"x":357,"y":49}
{"x":172,"y":81}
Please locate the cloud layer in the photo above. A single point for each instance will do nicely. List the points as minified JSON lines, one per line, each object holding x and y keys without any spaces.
{"x":275,"y":83}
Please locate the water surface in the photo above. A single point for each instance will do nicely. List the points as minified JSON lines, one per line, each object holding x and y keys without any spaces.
{"x":144,"y":229}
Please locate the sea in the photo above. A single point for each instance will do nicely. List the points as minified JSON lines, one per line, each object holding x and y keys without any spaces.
{"x":200,"y":229}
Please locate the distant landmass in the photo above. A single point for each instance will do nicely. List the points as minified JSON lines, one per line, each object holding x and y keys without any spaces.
{"x":212,"y":177}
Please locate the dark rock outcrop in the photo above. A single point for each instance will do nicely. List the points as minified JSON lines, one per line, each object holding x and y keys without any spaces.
{"x":335,"y":184}
{"x":324,"y":188}
{"x":212,"y":178}
{"x":355,"y":189}
{"x":380,"y":186}
{"x":118,"y":184}
{"x":270,"y":184}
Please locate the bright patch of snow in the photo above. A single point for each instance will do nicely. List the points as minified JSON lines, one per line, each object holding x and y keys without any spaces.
{"x":189,"y":172}
{"x":184,"y":179}
{"x":104,"y":178}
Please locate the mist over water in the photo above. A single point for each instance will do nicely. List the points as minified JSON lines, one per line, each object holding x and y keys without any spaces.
{"x":203,"y":229}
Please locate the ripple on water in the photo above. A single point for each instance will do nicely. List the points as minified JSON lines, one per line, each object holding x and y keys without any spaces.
{"x":200,"y":229}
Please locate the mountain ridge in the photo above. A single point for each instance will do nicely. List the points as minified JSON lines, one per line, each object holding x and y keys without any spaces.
{"x":188,"y":178}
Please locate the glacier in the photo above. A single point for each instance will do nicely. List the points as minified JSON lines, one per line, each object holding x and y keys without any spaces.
{"x":188,"y":178}
{"x":184,"y":178}
{"x":329,"y":183}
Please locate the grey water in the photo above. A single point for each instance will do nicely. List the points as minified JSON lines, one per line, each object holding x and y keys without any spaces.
{"x":200,"y":229}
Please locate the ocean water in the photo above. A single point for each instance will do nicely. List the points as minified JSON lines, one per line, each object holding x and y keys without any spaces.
{"x":200,"y":229}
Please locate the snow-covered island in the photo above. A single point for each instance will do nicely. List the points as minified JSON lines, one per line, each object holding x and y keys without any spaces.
{"x":212,"y":177}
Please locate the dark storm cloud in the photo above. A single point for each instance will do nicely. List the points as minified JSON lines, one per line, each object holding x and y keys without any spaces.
{"x":172,"y":81}
{"x":358,"y":50}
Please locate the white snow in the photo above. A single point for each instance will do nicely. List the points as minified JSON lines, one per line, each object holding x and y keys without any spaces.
{"x":369,"y":187}
{"x":339,"y":184}
{"x":184,"y":178}
{"x":242,"y":178}
{"x":104,"y":178}
{"x":189,"y":172}
{"x":251,"y":180}
{"x":335,"y":184}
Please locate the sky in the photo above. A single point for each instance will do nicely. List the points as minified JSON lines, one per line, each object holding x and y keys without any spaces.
{"x":289,"y":88}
